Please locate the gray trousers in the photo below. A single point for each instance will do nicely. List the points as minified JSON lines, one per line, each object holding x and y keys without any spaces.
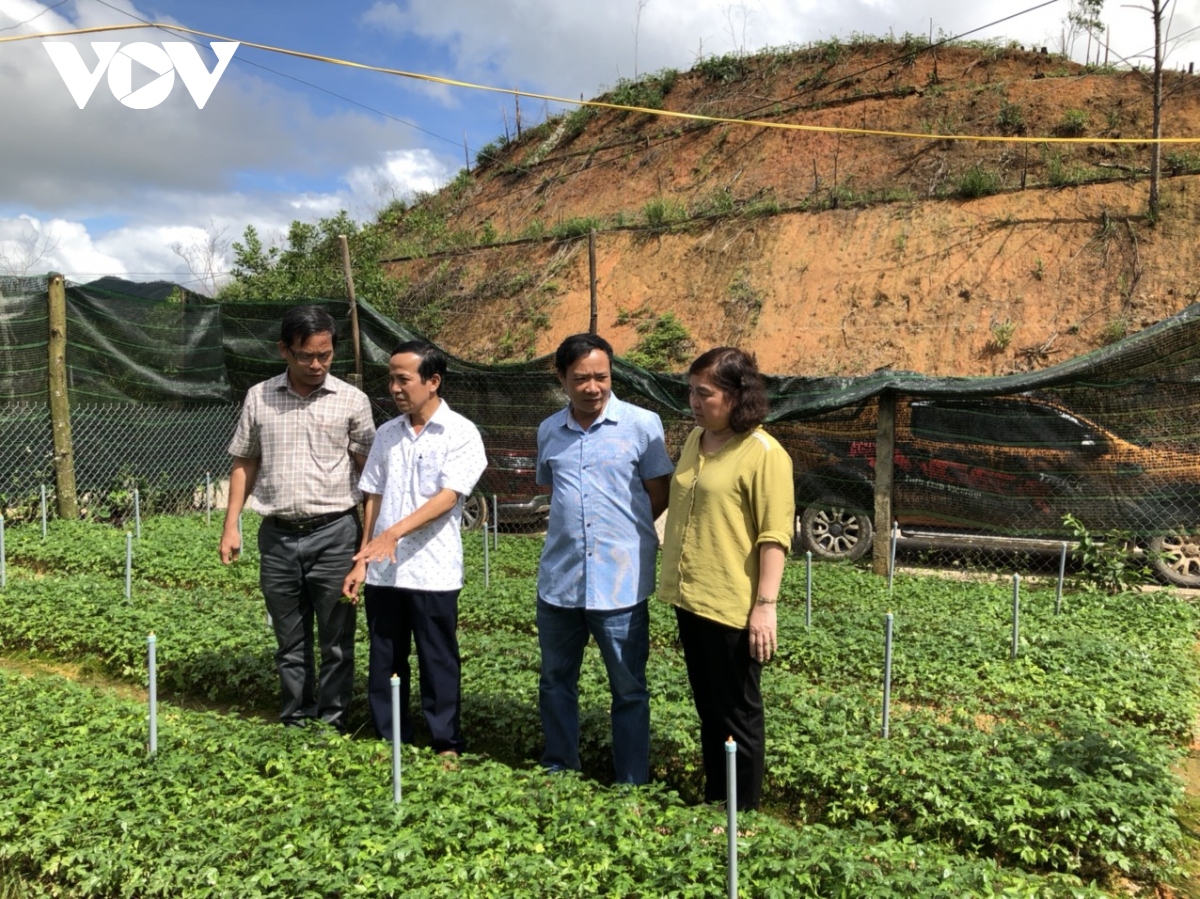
{"x":301,"y":577}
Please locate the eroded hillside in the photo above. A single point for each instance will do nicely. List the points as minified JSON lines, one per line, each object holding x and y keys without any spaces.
{"x":825,"y":253}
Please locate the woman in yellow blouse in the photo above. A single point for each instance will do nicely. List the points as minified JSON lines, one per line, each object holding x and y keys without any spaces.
{"x":729,"y":526}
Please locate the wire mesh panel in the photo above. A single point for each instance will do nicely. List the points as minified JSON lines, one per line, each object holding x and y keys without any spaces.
{"x":26,"y":457}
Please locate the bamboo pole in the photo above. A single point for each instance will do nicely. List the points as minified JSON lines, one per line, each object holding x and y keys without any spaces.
{"x":357,"y":380}
{"x":60,"y":407}
{"x":593,"y":321}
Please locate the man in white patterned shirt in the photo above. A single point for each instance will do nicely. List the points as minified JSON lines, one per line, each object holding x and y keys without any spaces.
{"x":300,"y":444}
{"x":423,"y":464}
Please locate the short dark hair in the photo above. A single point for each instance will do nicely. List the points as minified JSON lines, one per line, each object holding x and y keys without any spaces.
{"x":576,"y":347}
{"x":433,"y":360}
{"x":736,"y":372}
{"x":302,"y":322}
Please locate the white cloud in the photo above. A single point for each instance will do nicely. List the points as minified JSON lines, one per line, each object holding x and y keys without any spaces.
{"x":28,"y":245}
{"x":108,"y":189}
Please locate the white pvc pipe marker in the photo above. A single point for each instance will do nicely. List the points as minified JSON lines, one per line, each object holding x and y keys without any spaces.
{"x":395,"y":738}
{"x":731,"y":810}
{"x":151,"y":643}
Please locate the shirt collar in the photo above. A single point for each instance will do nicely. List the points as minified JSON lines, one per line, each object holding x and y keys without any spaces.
{"x":610,"y":412}
{"x":436,"y":419}
{"x":330,"y":385}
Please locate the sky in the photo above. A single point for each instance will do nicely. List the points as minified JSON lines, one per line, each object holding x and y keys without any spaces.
{"x":157,"y":191}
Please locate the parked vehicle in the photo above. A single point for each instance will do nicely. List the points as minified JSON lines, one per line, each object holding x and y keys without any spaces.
{"x":508,"y":485}
{"x":1001,"y":471}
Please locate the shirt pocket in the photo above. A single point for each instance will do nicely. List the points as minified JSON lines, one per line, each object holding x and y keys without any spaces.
{"x":429,"y":472}
{"x":327,"y":437}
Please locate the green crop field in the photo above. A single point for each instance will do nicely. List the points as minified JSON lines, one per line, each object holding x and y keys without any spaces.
{"x":1051,"y":774}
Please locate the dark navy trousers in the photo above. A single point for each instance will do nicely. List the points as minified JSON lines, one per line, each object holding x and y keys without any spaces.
{"x":395,"y":618}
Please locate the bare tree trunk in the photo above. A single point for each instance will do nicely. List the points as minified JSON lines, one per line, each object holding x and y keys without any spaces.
{"x":1156,"y":148}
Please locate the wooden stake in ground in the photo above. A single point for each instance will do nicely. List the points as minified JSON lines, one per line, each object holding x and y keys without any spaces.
{"x":60,"y":406}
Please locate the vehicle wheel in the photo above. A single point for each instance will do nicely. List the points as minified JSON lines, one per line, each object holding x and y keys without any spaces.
{"x":1176,"y":559}
{"x":834,"y":532}
{"x":475,"y":513}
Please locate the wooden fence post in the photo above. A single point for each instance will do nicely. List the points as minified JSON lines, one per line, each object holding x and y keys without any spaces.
{"x":357,"y":379}
{"x":885,"y":451}
{"x":594,"y":320}
{"x":60,"y":406}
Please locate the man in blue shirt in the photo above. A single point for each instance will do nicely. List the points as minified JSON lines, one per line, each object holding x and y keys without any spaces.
{"x":607,"y":466}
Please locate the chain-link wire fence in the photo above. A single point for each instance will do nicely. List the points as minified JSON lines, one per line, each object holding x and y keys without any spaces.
{"x":988,"y":472}
{"x":175,"y":458}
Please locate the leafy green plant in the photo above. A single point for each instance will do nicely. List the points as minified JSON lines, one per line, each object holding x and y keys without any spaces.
{"x":1002,"y":335}
{"x":977,"y":181}
{"x":664,"y":344}
{"x":1073,"y":123}
{"x":1011,"y":118}
{"x":663,"y":214}
{"x":1106,"y":564}
{"x":572,"y":228}
{"x":646,"y":92}
{"x":966,"y":798}
{"x":576,"y":121}
{"x":723,"y":69}
{"x":1113,"y":330}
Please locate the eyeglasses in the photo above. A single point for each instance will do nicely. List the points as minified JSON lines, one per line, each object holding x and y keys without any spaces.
{"x":310,"y":358}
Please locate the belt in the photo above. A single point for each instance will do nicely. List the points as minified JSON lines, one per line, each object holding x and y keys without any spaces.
{"x":300,"y":525}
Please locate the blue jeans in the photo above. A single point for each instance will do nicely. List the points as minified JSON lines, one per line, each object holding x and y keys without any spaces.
{"x":623,"y":637}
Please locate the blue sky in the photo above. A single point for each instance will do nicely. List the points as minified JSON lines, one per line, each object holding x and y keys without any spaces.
{"x":110,"y":190}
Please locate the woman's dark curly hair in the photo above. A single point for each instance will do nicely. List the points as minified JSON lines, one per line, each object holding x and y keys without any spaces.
{"x":735,"y":372}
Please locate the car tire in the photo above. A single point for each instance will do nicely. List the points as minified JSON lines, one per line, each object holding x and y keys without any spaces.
{"x":475,"y":513}
{"x":1176,"y":559}
{"x":833,"y":532}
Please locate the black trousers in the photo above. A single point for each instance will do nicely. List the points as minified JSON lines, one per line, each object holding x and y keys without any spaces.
{"x":301,"y":577}
{"x":725,"y":687}
{"x":395,"y":617}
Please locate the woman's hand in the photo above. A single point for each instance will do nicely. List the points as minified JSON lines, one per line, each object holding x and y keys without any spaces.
{"x":762,"y":632}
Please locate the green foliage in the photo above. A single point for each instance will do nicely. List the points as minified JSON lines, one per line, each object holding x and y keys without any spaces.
{"x":664,"y":344}
{"x":1179,"y":162}
{"x":1002,"y":335}
{"x":646,"y":92}
{"x":723,"y":69}
{"x":716,"y":203}
{"x":1073,"y":124}
{"x":576,"y":121}
{"x":1106,"y":565}
{"x":577,"y":227}
{"x":308,"y":265}
{"x":663,"y":214}
{"x":1061,"y":174}
{"x":490,"y":152}
{"x":976,"y":182}
{"x":1114,"y":329}
{"x":1033,"y":777}
{"x":1011,"y":118}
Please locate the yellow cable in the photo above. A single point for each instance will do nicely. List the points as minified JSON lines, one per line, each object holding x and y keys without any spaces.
{"x":664,"y":113}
